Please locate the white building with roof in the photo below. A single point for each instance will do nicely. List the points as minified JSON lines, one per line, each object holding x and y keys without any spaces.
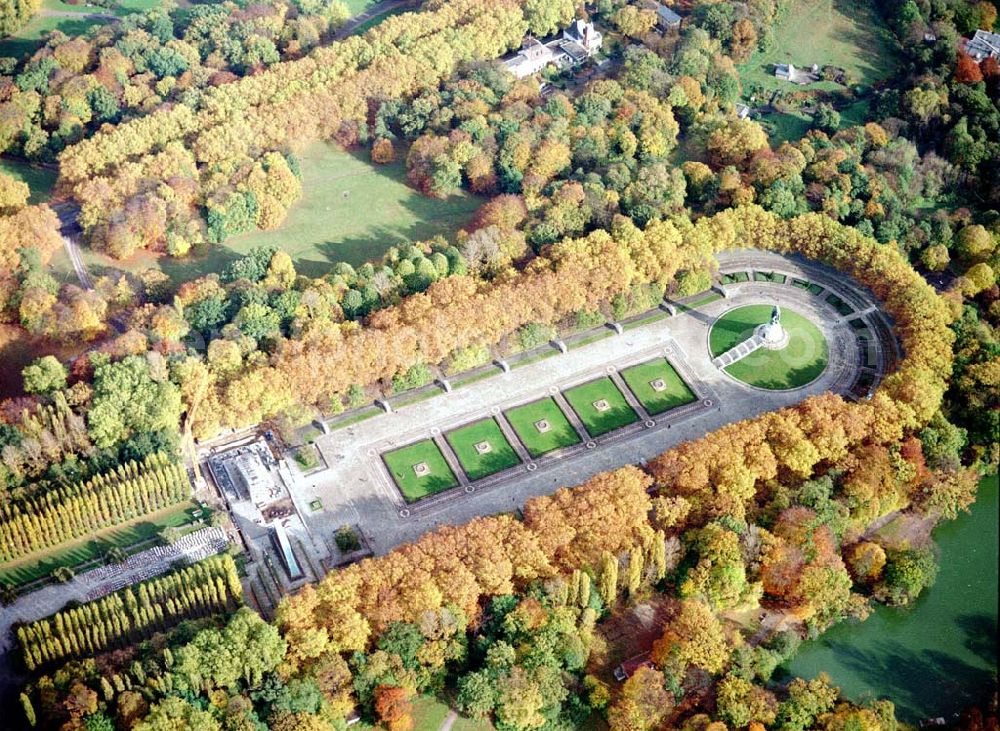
{"x":983,"y":44}
{"x":578,"y":43}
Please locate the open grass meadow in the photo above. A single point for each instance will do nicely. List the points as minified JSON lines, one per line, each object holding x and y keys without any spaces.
{"x":356,"y":7}
{"x":643,"y":379}
{"x":40,"y":180}
{"x":560,"y":433}
{"x":401,"y":464}
{"x":351,"y":210}
{"x":584,"y":400}
{"x":843,"y":33}
{"x":501,"y":455}
{"x":82,"y":550}
{"x":786,"y":126}
{"x":798,"y":363}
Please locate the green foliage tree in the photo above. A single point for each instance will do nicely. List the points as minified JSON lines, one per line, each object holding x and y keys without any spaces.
{"x":44,"y":375}
{"x":129,"y":399}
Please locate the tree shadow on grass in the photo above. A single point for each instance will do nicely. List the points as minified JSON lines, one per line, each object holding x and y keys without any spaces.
{"x":792,"y":378}
{"x":433,"y":216}
{"x":19,"y":45}
{"x":618,"y":416}
{"x":980,"y":632}
{"x":216,"y":260}
{"x":493,"y":462}
{"x":88,"y":552}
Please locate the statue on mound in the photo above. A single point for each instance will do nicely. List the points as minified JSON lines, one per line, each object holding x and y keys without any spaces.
{"x":772,"y":334}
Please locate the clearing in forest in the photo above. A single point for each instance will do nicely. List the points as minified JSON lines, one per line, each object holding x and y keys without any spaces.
{"x":843,"y":33}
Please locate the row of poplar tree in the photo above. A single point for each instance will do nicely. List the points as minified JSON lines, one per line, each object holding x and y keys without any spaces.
{"x":129,"y":491}
{"x":134,"y":613}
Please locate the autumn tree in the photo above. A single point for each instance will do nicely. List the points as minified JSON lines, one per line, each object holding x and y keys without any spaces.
{"x":13,"y":193}
{"x":967,"y":71}
{"x":642,"y":703}
{"x":393,"y":706}
{"x":14,"y":14}
{"x":633,"y":21}
{"x":735,"y":142}
{"x":694,"y":637}
{"x":744,"y":40}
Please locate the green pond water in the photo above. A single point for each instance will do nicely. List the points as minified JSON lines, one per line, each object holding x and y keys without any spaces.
{"x":937,"y":656}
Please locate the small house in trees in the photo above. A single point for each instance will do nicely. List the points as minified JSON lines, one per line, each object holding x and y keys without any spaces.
{"x":742,"y":111}
{"x":784,"y":71}
{"x":628,"y":668}
{"x":667,"y":19}
{"x":584,"y":34}
{"x":983,"y":45}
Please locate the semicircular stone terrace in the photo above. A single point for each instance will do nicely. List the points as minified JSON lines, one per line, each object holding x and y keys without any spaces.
{"x":612,"y":396}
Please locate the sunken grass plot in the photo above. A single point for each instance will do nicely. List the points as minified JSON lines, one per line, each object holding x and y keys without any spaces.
{"x":419,"y":470}
{"x":482,"y":449}
{"x":798,"y":363}
{"x":542,"y":427}
{"x":601,"y":406}
{"x":657,"y":386}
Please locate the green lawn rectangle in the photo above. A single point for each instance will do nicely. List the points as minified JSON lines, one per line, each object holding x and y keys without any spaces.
{"x":640,"y":380}
{"x":808,"y":286}
{"x":560,"y":434}
{"x":582,"y":399}
{"x":413,"y":486}
{"x":477,"y":466}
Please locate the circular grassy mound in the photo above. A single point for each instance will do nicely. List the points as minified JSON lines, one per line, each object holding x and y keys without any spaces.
{"x":798,"y":363}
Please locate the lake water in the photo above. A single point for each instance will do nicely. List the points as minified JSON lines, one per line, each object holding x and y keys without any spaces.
{"x":939,"y":655}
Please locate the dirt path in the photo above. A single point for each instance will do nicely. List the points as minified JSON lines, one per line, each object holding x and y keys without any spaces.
{"x":70,"y":14}
{"x":450,"y":719}
{"x":70,"y":230}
